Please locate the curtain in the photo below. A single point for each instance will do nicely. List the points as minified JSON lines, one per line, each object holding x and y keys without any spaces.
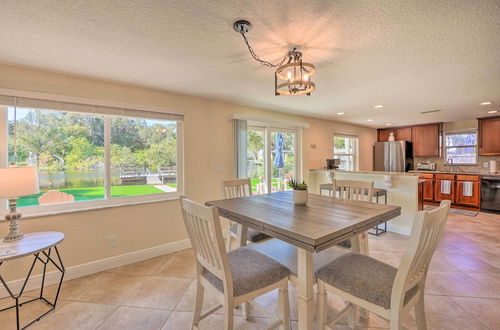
{"x":240,"y":142}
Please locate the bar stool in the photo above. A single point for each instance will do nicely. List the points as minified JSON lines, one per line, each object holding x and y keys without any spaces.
{"x":377,"y":192}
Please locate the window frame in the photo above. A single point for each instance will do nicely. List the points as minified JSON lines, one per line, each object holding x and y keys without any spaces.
{"x":459,"y":132}
{"x":354,"y":155}
{"x":268,"y":129}
{"x":108,"y":201}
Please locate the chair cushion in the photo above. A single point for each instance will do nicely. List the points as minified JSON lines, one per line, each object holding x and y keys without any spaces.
{"x":252,"y":235}
{"x":363,"y":277}
{"x":251,"y":271}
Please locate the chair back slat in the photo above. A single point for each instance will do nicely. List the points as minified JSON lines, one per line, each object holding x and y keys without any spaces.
{"x":235,"y":188}
{"x":427,"y":230}
{"x":204,"y":230}
{"x":353,"y":189}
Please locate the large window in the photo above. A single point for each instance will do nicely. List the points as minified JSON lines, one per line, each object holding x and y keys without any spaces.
{"x":105,"y":156}
{"x":345,"y":148}
{"x":461,"y":148}
{"x":271,"y":158}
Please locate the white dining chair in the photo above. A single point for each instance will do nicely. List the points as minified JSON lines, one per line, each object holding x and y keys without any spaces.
{"x":232,"y":278}
{"x":354,"y":190}
{"x":235,"y":188}
{"x":375,"y":286}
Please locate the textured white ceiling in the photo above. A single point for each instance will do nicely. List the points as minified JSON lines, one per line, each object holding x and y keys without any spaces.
{"x":410,"y":55}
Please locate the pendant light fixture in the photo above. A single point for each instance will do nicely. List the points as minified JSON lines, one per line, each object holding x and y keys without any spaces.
{"x":292,"y":76}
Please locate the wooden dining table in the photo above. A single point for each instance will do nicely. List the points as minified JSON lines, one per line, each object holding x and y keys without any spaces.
{"x":321,"y":224}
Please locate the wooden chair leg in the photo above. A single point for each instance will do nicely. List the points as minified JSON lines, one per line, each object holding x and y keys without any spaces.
{"x":229,"y":237}
{"x":420,"y":314}
{"x":198,"y":305}
{"x":228,"y":315}
{"x":353,"y":317}
{"x":322,"y":305}
{"x":284,"y":306}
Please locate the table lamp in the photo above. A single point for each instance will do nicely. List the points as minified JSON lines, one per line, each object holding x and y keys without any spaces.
{"x":16,"y":182}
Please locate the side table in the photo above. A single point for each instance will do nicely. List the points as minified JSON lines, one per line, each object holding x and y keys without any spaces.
{"x":39,"y":245}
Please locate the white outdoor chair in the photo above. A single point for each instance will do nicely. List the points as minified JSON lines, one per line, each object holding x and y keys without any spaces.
{"x":232,"y":278}
{"x":391,"y":293}
{"x":55,"y":197}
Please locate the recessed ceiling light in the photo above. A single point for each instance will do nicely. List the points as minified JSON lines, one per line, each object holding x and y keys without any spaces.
{"x":493,"y":111}
{"x":486,"y":103}
{"x":378,"y":106}
{"x":388,"y":124}
{"x":370,"y":119}
{"x":340,"y":113}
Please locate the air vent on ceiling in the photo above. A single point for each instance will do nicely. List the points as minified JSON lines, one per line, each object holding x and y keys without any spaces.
{"x":431,"y":111}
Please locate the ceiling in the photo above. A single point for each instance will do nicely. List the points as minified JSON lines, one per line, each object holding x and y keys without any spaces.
{"x":411,"y":56}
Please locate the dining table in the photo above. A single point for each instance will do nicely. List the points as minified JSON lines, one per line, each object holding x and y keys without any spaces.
{"x":310,"y":229}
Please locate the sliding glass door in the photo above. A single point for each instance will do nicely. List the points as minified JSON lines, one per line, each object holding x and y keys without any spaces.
{"x":272,"y":158}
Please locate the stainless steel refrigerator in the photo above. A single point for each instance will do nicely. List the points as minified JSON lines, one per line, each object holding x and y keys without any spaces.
{"x":393,"y":156}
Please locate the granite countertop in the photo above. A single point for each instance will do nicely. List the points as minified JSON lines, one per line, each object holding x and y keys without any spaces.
{"x":458,"y":173}
{"x":367,"y":172}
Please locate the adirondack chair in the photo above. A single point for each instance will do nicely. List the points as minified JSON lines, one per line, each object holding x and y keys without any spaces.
{"x":55,"y":197}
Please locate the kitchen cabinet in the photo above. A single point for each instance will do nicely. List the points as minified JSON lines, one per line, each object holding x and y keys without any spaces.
{"x":489,"y":136}
{"x":425,"y":140}
{"x":460,"y":198}
{"x":400,"y":134}
{"x":438,"y":195}
{"x":428,"y":186}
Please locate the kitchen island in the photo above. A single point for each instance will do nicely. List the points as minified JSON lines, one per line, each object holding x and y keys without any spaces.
{"x":402,"y":190}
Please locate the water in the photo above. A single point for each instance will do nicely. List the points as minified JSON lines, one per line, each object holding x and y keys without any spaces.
{"x":76,"y":178}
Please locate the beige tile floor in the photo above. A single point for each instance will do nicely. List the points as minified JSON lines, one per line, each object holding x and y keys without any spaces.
{"x":462,"y":292}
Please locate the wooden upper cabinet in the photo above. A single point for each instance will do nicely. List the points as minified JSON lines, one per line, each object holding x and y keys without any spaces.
{"x":425,"y":140}
{"x":400,"y":134}
{"x":489,"y":136}
{"x":383,"y":135}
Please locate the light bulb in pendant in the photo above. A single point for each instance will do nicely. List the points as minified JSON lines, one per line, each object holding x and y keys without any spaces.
{"x":289,"y":75}
{"x":306,"y":77}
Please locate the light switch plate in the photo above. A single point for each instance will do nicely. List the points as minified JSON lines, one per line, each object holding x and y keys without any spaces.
{"x":486,"y":164}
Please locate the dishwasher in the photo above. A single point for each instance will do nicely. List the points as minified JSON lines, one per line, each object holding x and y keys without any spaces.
{"x":490,"y":194}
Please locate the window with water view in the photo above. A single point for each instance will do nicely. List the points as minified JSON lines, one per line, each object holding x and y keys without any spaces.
{"x":69,"y":150}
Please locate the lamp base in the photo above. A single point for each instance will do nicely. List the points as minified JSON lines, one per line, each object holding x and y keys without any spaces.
{"x":14,"y":234}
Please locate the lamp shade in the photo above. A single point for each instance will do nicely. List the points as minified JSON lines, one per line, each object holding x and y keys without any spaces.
{"x":18,"y":181}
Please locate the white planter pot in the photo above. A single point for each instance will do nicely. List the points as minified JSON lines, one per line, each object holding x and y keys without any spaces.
{"x":300,"y":197}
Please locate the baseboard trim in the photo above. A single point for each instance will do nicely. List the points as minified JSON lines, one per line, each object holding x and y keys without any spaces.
{"x":398,"y":229}
{"x":96,"y":266}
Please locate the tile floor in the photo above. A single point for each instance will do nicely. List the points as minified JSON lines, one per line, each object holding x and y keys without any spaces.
{"x":463,"y":288}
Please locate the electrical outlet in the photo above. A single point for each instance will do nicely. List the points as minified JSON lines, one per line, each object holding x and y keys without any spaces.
{"x":112,"y":242}
{"x":486,"y":164}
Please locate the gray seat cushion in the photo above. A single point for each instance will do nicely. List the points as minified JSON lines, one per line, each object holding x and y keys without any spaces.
{"x":252,"y":235}
{"x":251,"y":271}
{"x":363,"y":277}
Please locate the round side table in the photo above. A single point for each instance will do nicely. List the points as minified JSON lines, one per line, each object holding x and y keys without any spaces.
{"x":40,"y":246}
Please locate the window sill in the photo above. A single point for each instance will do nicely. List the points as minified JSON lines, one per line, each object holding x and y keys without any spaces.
{"x":58,"y":209}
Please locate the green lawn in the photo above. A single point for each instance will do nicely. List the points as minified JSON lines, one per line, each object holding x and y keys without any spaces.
{"x":86,"y":194}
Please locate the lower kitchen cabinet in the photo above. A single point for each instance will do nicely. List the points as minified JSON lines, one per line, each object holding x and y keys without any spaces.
{"x":460,"y":198}
{"x":428,"y":186}
{"x":433,"y":183}
{"x":439,"y":196}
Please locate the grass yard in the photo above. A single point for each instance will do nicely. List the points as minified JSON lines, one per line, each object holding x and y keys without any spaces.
{"x":92,"y":193}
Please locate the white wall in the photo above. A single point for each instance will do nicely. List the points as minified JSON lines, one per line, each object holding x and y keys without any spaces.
{"x":208,"y":146}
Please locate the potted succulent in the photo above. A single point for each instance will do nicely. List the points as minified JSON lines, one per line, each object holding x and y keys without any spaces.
{"x":299,"y":191}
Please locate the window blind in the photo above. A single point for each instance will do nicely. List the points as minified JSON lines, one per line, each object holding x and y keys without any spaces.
{"x":32,"y":103}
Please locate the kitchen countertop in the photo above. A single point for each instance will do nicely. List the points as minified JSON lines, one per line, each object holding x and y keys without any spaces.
{"x":457,"y":172}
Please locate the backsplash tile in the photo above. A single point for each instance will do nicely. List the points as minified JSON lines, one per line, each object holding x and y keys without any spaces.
{"x":440,"y":166}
